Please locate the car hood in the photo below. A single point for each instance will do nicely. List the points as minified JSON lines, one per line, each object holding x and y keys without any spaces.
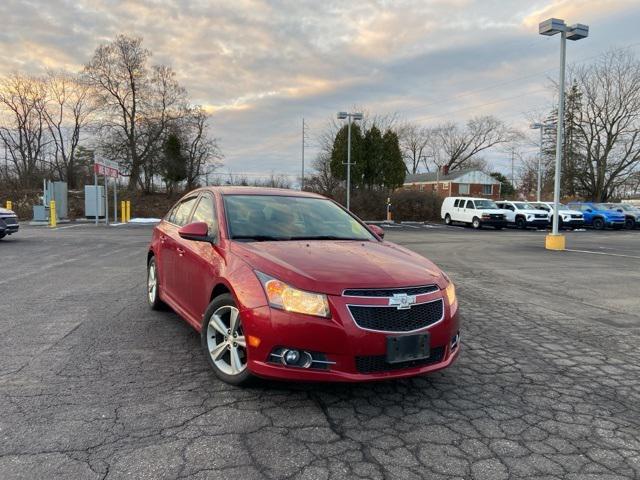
{"x":569,"y":212}
{"x":332,"y":266}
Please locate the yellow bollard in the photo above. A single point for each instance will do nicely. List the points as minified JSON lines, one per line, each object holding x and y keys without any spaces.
{"x":53,"y":221}
{"x":123,"y":211}
{"x":128,"y":210}
{"x":9,"y":205}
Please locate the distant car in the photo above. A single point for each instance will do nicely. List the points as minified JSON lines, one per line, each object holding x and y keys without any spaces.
{"x":567,"y":218}
{"x":599,"y":215}
{"x":8,"y":222}
{"x":523,"y":214}
{"x":631,"y":214}
{"x":477,"y":212}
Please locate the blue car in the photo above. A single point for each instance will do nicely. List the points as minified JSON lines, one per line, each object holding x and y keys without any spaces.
{"x":599,"y":215}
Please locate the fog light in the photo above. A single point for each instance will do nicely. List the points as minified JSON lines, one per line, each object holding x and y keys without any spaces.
{"x":455,"y":341}
{"x":291,"y":357}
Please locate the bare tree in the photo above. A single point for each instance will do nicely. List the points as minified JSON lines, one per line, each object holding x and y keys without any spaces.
{"x":414,"y":142}
{"x":201,"y":151}
{"x":454,"y":147}
{"x":322,"y":181}
{"x":138,"y":102}
{"x":23,"y":130}
{"x":67,"y":113}
{"x":609,"y":123}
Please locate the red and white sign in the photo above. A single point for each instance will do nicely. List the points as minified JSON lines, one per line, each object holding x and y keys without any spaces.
{"x":106,"y":168}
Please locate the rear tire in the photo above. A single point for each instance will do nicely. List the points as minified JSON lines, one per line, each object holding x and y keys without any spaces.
{"x":476,"y":224}
{"x":447,"y":219}
{"x":598,"y":224}
{"x":2,"y":235}
{"x":521,"y":223}
{"x":223,"y":341}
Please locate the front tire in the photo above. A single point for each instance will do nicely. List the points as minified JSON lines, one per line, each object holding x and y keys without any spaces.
{"x":153,"y":286}
{"x":598,"y":224}
{"x":223,"y":341}
{"x":629,"y":224}
{"x":447,"y":219}
{"x":476,"y":223}
{"x":521,"y":223}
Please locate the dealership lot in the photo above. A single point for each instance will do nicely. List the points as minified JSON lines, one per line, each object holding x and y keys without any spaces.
{"x":95,"y":385}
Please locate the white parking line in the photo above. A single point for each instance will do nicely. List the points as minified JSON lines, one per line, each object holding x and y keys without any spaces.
{"x":602,"y":253}
{"x":66,"y":226}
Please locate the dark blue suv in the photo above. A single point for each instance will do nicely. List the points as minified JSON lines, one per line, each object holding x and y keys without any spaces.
{"x":599,"y":215}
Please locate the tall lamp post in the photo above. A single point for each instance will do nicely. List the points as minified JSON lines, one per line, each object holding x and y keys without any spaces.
{"x":549,"y":27}
{"x":350,"y":117}
{"x":542,"y":127}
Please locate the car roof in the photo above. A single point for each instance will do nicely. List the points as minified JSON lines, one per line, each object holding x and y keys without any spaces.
{"x":241,"y":190}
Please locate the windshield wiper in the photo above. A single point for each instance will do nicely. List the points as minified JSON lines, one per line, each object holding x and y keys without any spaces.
{"x":258,"y":238}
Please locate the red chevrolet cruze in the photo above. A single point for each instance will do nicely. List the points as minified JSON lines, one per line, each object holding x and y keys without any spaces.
{"x":289,"y":285}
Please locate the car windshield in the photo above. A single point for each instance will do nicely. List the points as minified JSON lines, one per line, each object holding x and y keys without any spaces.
{"x":625,"y":206}
{"x":277,"y":217}
{"x":485,"y":204}
{"x":524,"y":206}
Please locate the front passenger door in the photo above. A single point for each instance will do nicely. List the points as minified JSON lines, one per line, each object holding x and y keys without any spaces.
{"x":201,"y":264}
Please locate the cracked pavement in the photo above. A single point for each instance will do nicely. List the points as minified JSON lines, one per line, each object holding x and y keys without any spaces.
{"x":94,"y":385}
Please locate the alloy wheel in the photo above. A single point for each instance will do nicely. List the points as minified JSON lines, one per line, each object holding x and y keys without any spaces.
{"x":226,"y":342}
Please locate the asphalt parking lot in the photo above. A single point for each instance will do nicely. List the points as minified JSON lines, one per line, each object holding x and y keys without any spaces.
{"x":93,"y":384}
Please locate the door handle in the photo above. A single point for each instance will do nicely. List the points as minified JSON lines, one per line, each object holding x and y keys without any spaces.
{"x":180,"y":251}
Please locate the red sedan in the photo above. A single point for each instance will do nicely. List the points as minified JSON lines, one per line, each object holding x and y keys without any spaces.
{"x":289,"y":285}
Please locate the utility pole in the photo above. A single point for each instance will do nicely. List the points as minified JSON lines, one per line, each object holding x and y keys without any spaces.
{"x":302,"y":175}
{"x":349,"y":117}
{"x":513,"y":174}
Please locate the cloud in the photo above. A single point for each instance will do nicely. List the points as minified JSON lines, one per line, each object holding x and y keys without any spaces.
{"x":258,"y":66}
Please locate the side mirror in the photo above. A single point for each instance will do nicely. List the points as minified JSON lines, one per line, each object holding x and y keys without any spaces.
{"x":196,"y":231}
{"x":589,"y":210}
{"x":375,"y":229}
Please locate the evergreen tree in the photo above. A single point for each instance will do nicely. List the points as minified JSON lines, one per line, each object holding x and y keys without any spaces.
{"x":373,"y":158}
{"x":174,"y":163}
{"x":339,"y":153}
{"x":394,"y":171}
{"x":506,"y":188}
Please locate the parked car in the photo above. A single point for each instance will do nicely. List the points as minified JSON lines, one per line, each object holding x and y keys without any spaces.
{"x":8,"y":222}
{"x":477,"y":212}
{"x":523,"y":214}
{"x":631,"y":214}
{"x":290,"y":285}
{"x":567,"y":218}
{"x":598,"y":215}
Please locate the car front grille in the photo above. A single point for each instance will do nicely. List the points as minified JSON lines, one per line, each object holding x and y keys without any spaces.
{"x":378,"y":363}
{"x":540,"y":215}
{"x":9,"y":220}
{"x":497,"y":216}
{"x":389,"y":292}
{"x":576,"y":216}
{"x":392,"y":319}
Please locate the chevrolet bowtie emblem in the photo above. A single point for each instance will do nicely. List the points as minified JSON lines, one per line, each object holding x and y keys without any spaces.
{"x":402,"y":301}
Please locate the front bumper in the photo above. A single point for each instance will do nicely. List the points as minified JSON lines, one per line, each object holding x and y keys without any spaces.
{"x":344,"y":344}
{"x":573,"y":223}
{"x":538,"y":223}
{"x":8,"y":226}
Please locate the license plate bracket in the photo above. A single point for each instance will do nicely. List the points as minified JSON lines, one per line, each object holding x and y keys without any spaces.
{"x":405,"y":348}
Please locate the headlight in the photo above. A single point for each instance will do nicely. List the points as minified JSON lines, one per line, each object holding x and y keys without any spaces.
{"x":285,"y":297}
{"x":450,"y":292}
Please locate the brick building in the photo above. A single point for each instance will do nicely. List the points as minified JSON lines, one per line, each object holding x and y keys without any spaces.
{"x":471,"y":183}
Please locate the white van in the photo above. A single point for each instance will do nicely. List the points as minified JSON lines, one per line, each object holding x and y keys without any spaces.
{"x":476,"y":212}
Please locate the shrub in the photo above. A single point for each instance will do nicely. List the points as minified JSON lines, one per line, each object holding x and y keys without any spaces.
{"x":414,"y":205}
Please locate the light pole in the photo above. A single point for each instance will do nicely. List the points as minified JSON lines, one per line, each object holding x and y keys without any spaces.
{"x":542,"y":127}
{"x":350,"y":117}
{"x":549,"y":27}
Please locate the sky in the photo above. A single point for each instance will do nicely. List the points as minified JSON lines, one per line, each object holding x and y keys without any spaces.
{"x":260,"y":66}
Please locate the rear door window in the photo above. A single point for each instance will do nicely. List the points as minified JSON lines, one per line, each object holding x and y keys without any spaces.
{"x":470,"y":205}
